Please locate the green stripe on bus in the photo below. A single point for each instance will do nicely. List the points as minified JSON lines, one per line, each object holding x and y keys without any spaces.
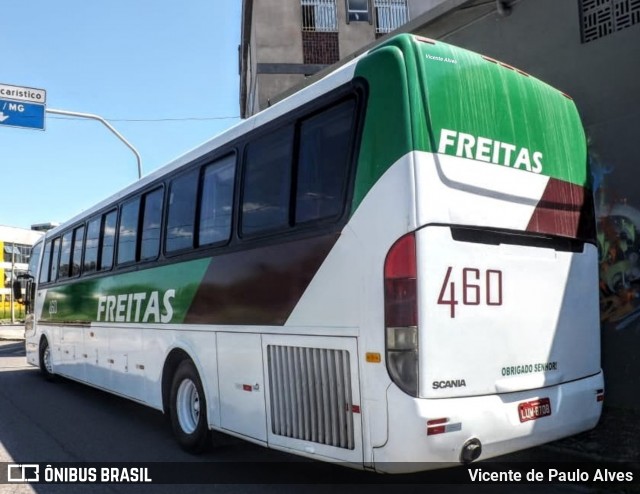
{"x":158,"y":295}
{"x":386,"y":135}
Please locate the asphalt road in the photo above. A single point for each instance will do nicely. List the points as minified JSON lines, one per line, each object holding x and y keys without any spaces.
{"x":63,"y":421}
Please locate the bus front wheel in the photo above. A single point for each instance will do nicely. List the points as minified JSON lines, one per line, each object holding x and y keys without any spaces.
{"x":188,"y":410}
{"x":46,"y":365}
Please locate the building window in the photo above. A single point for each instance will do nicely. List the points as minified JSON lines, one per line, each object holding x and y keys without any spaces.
{"x":319,"y":32}
{"x":319,"y":15}
{"x":357,"y":10}
{"x":390,"y":15}
{"x":600,"y":18}
{"x":17,"y":253}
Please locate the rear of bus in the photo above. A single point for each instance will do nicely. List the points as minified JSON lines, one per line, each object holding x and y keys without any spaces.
{"x":491,"y":301}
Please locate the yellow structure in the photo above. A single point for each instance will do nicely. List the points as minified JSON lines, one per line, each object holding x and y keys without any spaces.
{"x":15,"y":248}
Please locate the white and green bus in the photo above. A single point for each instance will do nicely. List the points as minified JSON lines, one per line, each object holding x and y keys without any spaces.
{"x":393,"y":268}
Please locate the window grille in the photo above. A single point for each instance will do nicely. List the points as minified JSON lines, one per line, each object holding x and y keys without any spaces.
{"x":390,"y":15}
{"x":600,"y":18}
{"x":319,"y":15}
{"x":311,"y":395}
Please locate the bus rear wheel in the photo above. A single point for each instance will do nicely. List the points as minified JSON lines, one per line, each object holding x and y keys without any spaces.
{"x":188,"y":409}
{"x":46,"y":365}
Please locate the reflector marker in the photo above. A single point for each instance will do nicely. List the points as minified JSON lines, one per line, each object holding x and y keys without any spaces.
{"x":440,"y":426}
{"x":437,"y":421}
{"x":373,"y":357}
{"x":426,"y":40}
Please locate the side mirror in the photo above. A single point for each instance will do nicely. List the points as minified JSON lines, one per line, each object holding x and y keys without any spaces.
{"x":17,"y":290}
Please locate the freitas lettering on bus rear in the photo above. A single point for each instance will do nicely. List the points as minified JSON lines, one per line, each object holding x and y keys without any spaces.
{"x":490,"y":151}
{"x":136,"y":307}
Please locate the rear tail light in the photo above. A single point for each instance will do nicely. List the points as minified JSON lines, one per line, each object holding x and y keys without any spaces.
{"x":401,"y":314}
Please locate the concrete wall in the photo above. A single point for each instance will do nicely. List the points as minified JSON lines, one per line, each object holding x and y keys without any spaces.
{"x":354,"y":35}
{"x":277,"y":31}
{"x":418,"y":7}
{"x":542,"y":37}
{"x":277,"y":39}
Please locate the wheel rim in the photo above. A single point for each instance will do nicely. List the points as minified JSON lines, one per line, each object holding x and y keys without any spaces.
{"x":46,"y":360}
{"x":188,"y":406}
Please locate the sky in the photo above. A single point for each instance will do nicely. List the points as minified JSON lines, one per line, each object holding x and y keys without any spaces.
{"x":163,"y":73}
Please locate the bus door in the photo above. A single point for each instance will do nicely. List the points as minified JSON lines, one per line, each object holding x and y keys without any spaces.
{"x":242,"y":387}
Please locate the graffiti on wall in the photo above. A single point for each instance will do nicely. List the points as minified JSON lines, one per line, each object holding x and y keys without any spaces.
{"x":619,"y":253}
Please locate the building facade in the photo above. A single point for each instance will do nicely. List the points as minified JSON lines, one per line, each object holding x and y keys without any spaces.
{"x":285,"y":41}
{"x":15,"y":245}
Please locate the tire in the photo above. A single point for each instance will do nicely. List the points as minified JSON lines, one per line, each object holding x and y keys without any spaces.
{"x":46,"y":365}
{"x":188,"y":409}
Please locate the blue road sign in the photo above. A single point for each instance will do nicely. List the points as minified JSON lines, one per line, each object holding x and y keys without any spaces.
{"x":22,"y":114}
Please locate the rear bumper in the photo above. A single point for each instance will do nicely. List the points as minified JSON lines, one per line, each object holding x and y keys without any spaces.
{"x":492,"y":419}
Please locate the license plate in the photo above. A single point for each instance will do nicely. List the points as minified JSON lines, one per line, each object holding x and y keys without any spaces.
{"x":533,"y":410}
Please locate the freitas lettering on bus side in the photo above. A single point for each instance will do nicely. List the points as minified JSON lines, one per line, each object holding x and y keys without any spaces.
{"x":136,"y":307}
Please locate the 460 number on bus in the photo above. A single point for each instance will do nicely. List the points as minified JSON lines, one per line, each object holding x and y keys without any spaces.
{"x":478,"y":287}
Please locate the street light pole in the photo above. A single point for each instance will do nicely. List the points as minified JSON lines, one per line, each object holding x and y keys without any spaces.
{"x":107,"y":124}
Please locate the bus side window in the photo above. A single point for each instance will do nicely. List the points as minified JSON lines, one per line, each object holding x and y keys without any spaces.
{"x":151,"y":221}
{"x":128,"y":232}
{"x":65,"y":255}
{"x":55,"y":256}
{"x":181,"y":215}
{"x":216,"y":202}
{"x":108,"y":240}
{"x":91,"y":246}
{"x":76,"y":253}
{"x":46,"y":263}
{"x":267,"y":182}
{"x":323,"y":162}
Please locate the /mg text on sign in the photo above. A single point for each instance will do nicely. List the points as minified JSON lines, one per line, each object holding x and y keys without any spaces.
{"x":22,"y":106}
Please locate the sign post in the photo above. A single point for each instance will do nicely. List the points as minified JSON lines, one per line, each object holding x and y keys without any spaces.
{"x":22,"y":107}
{"x":25,"y":107}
